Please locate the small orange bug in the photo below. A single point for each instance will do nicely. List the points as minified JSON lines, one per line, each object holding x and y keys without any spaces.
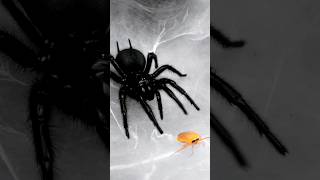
{"x":190,"y":138}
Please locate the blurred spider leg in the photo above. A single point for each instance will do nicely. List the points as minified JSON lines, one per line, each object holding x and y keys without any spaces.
{"x":227,"y":139}
{"x":150,"y":114}
{"x":174,"y":97}
{"x":122,"y":98}
{"x":10,"y":46}
{"x":167,"y":67}
{"x":151,"y":56}
{"x":159,"y":104}
{"x":23,"y":21}
{"x":223,"y":40}
{"x":39,"y":116}
{"x":102,"y":128}
{"x":235,"y":98}
{"x":180,"y":89}
{"x":116,"y":66}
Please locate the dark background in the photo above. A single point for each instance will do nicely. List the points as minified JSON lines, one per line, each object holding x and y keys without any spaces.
{"x":80,"y":153}
{"x":278,"y":73}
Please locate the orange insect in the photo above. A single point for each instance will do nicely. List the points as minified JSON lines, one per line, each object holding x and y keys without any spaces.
{"x":190,"y":138}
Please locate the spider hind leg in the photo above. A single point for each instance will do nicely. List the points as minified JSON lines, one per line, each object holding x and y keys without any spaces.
{"x":150,"y":114}
{"x":228,"y":140}
{"x":235,"y":98}
{"x":39,"y":117}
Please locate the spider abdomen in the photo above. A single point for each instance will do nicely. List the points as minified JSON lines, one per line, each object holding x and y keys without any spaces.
{"x":131,"y":60}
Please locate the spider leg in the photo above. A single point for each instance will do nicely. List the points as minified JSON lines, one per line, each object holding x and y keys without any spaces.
{"x":227,"y":139}
{"x":159,"y":104}
{"x":174,"y":97}
{"x":235,"y":98}
{"x":122,"y":98}
{"x":102,"y":128}
{"x":150,"y":114}
{"x":23,"y":21}
{"x":116,"y":66}
{"x":223,"y":40}
{"x":19,"y":53}
{"x":180,"y":89}
{"x":39,"y":117}
{"x":151,"y":56}
{"x":167,"y":67}
{"x":115,"y":77}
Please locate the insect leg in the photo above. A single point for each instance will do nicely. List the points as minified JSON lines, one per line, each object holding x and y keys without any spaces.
{"x":29,"y":28}
{"x":227,"y":139}
{"x":235,"y":98}
{"x":151,"y":56}
{"x":167,"y":67}
{"x":180,"y":89}
{"x":39,"y":116}
{"x":150,"y":114}
{"x":174,"y":97}
{"x":159,"y":104}
{"x":223,"y":40}
{"x":122,"y":98}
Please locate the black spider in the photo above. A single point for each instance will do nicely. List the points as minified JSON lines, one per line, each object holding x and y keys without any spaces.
{"x":72,"y":69}
{"x":137,"y":83}
{"x":235,"y":98}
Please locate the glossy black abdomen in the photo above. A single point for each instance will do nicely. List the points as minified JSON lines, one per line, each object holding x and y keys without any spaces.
{"x":131,"y":60}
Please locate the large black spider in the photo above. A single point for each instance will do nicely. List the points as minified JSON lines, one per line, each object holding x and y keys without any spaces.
{"x":72,"y":68}
{"x":236,"y":99}
{"x":137,"y":83}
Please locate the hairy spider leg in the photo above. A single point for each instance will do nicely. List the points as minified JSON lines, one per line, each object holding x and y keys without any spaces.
{"x":39,"y":116}
{"x":122,"y":98}
{"x":151,"y":57}
{"x":149,"y":112}
{"x":180,"y":89}
{"x":27,"y":26}
{"x":174,"y":97}
{"x":167,"y":67}
{"x":158,"y":96}
{"x":228,"y":140}
{"x":223,"y":40}
{"x":235,"y":98}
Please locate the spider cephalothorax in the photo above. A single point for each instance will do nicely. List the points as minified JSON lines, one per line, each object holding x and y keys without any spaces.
{"x":235,"y":98}
{"x":137,"y":83}
{"x":72,"y":71}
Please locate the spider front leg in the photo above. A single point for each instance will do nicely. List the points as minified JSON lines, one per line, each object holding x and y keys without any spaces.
{"x":167,"y":67}
{"x":227,"y":139}
{"x":223,"y":40}
{"x":39,"y":116}
{"x":29,"y":28}
{"x":235,"y":98}
{"x":151,"y":57}
{"x":116,"y":66}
